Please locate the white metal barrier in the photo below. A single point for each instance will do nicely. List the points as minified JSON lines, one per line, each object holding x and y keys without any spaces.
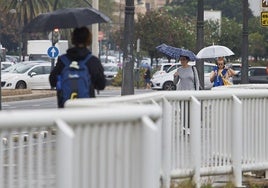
{"x":227,"y":131}
{"x":105,"y":146}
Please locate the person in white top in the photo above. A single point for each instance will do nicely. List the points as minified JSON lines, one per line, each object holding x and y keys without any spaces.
{"x":186,"y":76}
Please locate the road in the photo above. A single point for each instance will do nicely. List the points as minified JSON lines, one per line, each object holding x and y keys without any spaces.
{"x":50,"y":102}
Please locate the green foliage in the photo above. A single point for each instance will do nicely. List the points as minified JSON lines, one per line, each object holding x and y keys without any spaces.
{"x":229,"y":185}
{"x":231,"y":9}
{"x":157,"y":27}
{"x":118,"y":79}
{"x":175,"y":25}
{"x":182,"y":184}
{"x":231,"y":36}
{"x":138,"y":82}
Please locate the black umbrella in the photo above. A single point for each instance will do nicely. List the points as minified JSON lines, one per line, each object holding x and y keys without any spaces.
{"x":65,"y":18}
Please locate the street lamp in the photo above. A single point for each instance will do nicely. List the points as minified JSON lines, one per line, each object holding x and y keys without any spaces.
{"x":94,"y":29}
{"x":200,"y":39}
{"x":244,"y":69}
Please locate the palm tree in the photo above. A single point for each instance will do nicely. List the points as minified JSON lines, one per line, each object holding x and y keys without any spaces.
{"x":27,"y":9}
{"x":23,"y":11}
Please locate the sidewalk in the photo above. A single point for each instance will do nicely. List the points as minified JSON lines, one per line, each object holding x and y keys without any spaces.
{"x":9,"y":95}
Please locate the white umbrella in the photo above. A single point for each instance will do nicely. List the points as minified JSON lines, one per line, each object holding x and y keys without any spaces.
{"x":214,"y":51}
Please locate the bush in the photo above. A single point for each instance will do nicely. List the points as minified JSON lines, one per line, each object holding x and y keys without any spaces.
{"x":138,"y":81}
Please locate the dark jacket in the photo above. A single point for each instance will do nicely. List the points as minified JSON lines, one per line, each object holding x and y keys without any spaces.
{"x":94,"y":65}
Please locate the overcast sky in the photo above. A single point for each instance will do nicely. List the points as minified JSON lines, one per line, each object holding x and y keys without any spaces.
{"x":255,"y":6}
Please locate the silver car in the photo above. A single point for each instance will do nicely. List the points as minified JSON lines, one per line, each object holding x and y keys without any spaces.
{"x":256,"y":75}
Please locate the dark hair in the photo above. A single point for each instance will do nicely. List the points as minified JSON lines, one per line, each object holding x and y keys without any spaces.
{"x":81,"y":36}
{"x":188,"y":58}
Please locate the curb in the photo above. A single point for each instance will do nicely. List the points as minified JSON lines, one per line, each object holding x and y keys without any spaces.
{"x":11,"y":92}
{"x":16,"y":95}
{"x":9,"y":95}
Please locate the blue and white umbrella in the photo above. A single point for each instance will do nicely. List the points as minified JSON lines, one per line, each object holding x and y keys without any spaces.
{"x":175,"y":53}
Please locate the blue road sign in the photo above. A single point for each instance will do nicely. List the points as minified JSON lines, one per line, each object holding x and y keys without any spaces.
{"x":53,"y":52}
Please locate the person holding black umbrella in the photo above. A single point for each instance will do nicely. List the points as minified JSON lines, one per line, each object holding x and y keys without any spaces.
{"x":75,"y":56}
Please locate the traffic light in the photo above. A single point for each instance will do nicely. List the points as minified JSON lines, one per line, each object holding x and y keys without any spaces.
{"x":55,"y":36}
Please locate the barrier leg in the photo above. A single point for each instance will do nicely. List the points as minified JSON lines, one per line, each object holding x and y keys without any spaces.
{"x":195,"y":124}
{"x":64,"y":169}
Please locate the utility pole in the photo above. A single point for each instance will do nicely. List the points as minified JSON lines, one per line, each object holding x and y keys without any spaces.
{"x":200,"y":40}
{"x":94,"y":29}
{"x":128,"y":61}
{"x":95,"y":32}
{"x":244,"y":69}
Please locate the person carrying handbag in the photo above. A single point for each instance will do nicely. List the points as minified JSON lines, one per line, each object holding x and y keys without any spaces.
{"x":221,"y":74}
{"x":186,"y":77}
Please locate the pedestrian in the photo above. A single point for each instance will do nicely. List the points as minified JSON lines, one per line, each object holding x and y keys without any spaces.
{"x":221,"y":73}
{"x":186,"y":76}
{"x":76,"y":57}
{"x":147,"y":78}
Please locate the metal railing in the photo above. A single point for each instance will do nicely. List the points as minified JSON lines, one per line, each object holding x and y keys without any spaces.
{"x":206,"y":133}
{"x":104,"y":146}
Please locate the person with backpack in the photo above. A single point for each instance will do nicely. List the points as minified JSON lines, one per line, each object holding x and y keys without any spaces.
{"x":77,"y":73}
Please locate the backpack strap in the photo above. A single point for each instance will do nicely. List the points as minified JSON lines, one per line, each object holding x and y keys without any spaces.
{"x":89,"y":55}
{"x":66,"y":61}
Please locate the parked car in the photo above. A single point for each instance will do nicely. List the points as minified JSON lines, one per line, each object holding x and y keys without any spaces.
{"x":165,"y":81}
{"x":13,"y":65}
{"x":108,"y":59}
{"x":27,"y":75}
{"x":12,"y":58}
{"x":162,"y":68}
{"x":256,"y":75}
{"x":110,"y":71}
{"x":235,"y":66}
{"x":6,"y":64}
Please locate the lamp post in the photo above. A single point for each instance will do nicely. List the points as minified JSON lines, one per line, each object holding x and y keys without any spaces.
{"x":0,"y":69}
{"x":200,"y":40}
{"x":244,"y":69}
{"x":128,"y":61}
{"x":94,"y":29}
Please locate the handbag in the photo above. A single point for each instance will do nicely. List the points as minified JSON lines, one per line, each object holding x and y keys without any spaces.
{"x":226,"y":82}
{"x":200,"y":88}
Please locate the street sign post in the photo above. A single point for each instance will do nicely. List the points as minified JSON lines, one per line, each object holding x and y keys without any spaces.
{"x":53,"y":52}
{"x":264,"y":13}
{"x":264,"y":3}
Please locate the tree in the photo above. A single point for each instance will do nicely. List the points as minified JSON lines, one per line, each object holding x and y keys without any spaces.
{"x":231,"y":9}
{"x":231,"y":35}
{"x":26,"y":10}
{"x":258,"y":33}
{"x":21,"y":12}
{"x":257,"y":45}
{"x":157,"y":27}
